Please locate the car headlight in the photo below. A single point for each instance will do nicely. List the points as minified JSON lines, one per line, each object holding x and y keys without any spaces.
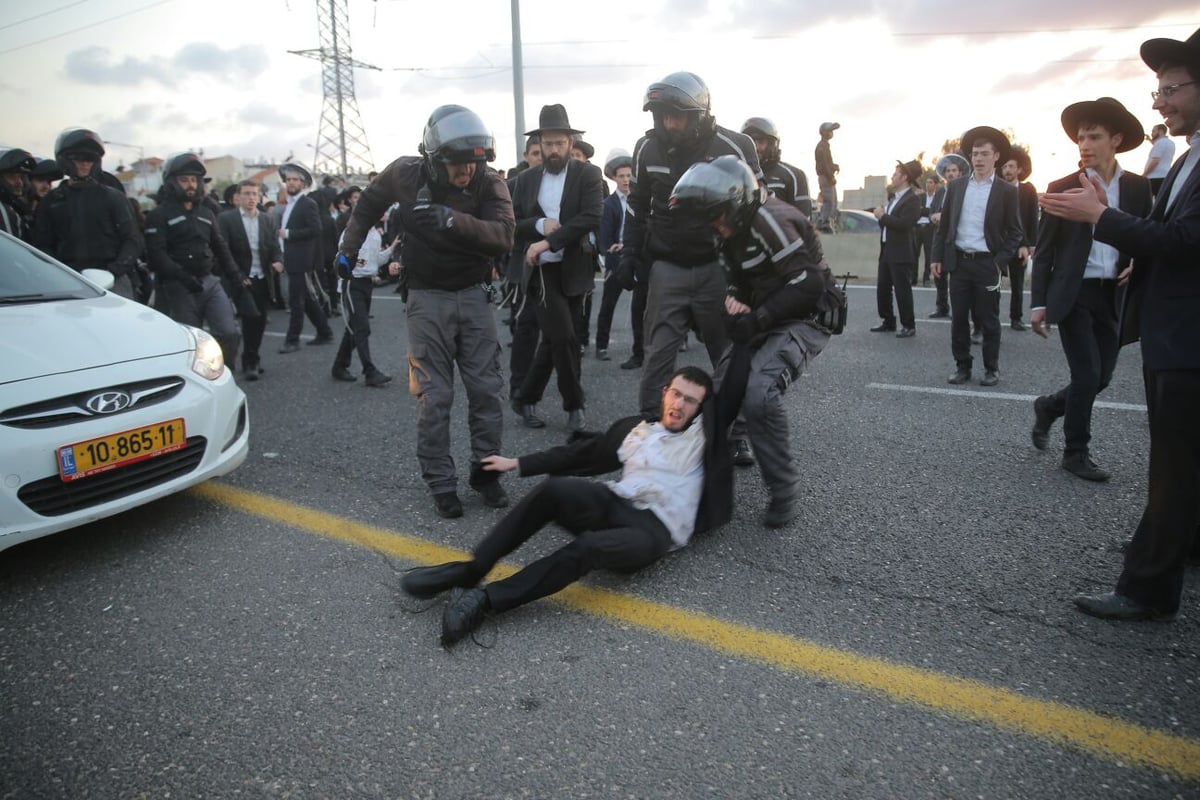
{"x":207,"y":359}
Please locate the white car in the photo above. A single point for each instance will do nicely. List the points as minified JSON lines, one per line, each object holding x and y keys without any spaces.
{"x":105,"y":404}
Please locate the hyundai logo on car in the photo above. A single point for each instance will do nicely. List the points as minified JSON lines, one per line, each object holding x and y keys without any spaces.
{"x":108,"y":402}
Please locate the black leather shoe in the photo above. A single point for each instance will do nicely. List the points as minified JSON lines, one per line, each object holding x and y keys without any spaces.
{"x":990,"y":378}
{"x":884,"y":327}
{"x":1119,"y":607}
{"x":906,"y":333}
{"x":1082,"y":465}
{"x":343,"y":374}
{"x":289,"y":347}
{"x":940,"y":315}
{"x":448,"y":505}
{"x":528,"y":414}
{"x":743,"y":456}
{"x":493,"y":494}
{"x":378,"y":378}
{"x":976,"y":338}
{"x":1043,"y":418}
{"x":326,"y":339}
{"x":575,"y":420}
{"x":960,"y":377}
{"x":1017,"y":325}
{"x":602,"y":354}
{"x":426,"y":582}
{"x":463,"y":614}
{"x":633,"y":362}
{"x":250,"y":372}
{"x":779,"y":512}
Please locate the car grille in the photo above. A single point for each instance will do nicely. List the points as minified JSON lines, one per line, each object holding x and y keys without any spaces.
{"x":73,"y":408}
{"x":52,"y":497}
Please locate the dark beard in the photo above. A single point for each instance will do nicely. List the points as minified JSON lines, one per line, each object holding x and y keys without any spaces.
{"x":555,"y":164}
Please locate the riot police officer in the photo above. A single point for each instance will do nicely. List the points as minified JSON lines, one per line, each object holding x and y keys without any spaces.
{"x":457,"y":218}
{"x":15,"y":166}
{"x":784,"y":180}
{"x":84,"y":223}
{"x":182,"y":244}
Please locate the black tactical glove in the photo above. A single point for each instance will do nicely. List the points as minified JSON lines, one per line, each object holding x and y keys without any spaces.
{"x":343,"y":265}
{"x":437,"y":217}
{"x":743,"y":328}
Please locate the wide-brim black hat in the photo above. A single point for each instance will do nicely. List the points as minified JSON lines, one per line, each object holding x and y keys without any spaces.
{"x":1024,"y":162}
{"x":585,"y":148}
{"x":998,"y":140}
{"x":1156,"y":52}
{"x":1111,"y":113}
{"x":553,"y":118}
{"x":912,"y":169}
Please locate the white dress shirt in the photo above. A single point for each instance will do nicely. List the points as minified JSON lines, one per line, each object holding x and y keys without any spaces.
{"x":550,"y":199}
{"x":970,"y":237}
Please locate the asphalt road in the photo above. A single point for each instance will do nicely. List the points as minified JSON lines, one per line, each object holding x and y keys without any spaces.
{"x":909,"y":636}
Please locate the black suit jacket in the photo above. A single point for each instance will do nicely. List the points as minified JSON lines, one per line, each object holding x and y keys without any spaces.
{"x":230,"y":223}
{"x":579,"y":215}
{"x":901,"y":224}
{"x":1063,"y":247}
{"x":1164,"y":289}
{"x":1001,"y":223}
{"x":302,"y":247}
{"x":1027,"y":206}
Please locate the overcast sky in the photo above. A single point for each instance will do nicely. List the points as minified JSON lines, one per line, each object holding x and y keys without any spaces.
{"x":163,"y":76}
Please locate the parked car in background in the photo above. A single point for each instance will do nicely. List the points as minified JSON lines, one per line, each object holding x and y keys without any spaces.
{"x":851,"y":220}
{"x":105,"y":404}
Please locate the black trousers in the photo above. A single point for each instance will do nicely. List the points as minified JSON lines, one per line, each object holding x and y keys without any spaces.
{"x":557,"y":349}
{"x":583,"y":322}
{"x":608,"y":306}
{"x":1016,"y":279}
{"x":973,"y":287}
{"x":609,"y":534}
{"x":356,"y":312}
{"x":302,"y":300}
{"x":895,"y":277}
{"x":253,"y":327}
{"x":1090,"y":340}
{"x":525,"y":334}
{"x":1158,"y":552}
{"x":637,"y":310}
{"x":925,"y":245}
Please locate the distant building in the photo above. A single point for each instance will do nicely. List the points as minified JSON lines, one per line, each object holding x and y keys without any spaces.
{"x":873,"y":193}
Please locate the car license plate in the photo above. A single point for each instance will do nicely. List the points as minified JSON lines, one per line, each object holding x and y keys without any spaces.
{"x":79,"y":460}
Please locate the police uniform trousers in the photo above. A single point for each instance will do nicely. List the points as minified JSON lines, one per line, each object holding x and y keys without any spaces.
{"x":210,"y":305}
{"x":303,"y":291}
{"x":679,"y":298}
{"x":557,"y":348}
{"x":779,"y":358}
{"x":448,"y":328}
{"x":1090,"y":340}
{"x":973,"y":287}
{"x":609,"y":533}
{"x":1157,"y":555}
{"x":356,"y":312}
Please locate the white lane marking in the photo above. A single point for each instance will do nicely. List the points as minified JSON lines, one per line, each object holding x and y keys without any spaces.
{"x":1021,"y":398}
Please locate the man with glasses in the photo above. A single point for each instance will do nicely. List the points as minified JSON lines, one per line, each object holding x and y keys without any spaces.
{"x":676,"y":480}
{"x":979,"y":232}
{"x":1160,"y":310}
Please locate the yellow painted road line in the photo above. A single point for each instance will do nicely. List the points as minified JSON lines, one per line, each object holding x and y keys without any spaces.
{"x":1105,"y":736}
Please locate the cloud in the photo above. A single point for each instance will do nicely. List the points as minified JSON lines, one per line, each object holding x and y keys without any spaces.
{"x":1083,"y":68}
{"x":97,"y":66}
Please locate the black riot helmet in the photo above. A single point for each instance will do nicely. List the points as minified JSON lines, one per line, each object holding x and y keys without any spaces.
{"x":684,"y":92}
{"x":763,"y":128}
{"x":14,"y":159}
{"x":455,"y":135}
{"x":78,"y":144}
{"x":725,"y":185}
{"x":183,"y":164}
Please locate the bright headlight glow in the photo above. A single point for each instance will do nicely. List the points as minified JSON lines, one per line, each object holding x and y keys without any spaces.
{"x":207,"y":359}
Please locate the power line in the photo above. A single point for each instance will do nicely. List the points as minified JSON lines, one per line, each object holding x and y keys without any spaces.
{"x":43,"y":14}
{"x":84,"y":27}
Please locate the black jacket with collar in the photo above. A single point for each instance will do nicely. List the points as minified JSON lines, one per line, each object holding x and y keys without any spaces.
{"x":1001,"y":223}
{"x":234,"y":232}
{"x":901,"y":225}
{"x":597,"y":454}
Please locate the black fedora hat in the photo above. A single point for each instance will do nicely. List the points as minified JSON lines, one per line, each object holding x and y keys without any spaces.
{"x":553,"y":118}
{"x":998,"y":140}
{"x":1156,"y":52}
{"x":1024,"y":162}
{"x":912,"y":169}
{"x":1111,"y":113}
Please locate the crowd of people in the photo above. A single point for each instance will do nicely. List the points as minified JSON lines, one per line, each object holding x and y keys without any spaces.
{"x":715,"y":237}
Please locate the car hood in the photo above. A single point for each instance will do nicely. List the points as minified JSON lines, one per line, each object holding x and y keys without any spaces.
{"x":67,"y":335}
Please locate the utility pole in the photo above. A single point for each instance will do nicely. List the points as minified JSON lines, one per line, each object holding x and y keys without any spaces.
{"x":518,"y":79}
{"x":341,"y":147}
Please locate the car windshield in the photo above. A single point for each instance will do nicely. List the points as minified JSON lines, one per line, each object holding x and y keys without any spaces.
{"x":29,"y":276}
